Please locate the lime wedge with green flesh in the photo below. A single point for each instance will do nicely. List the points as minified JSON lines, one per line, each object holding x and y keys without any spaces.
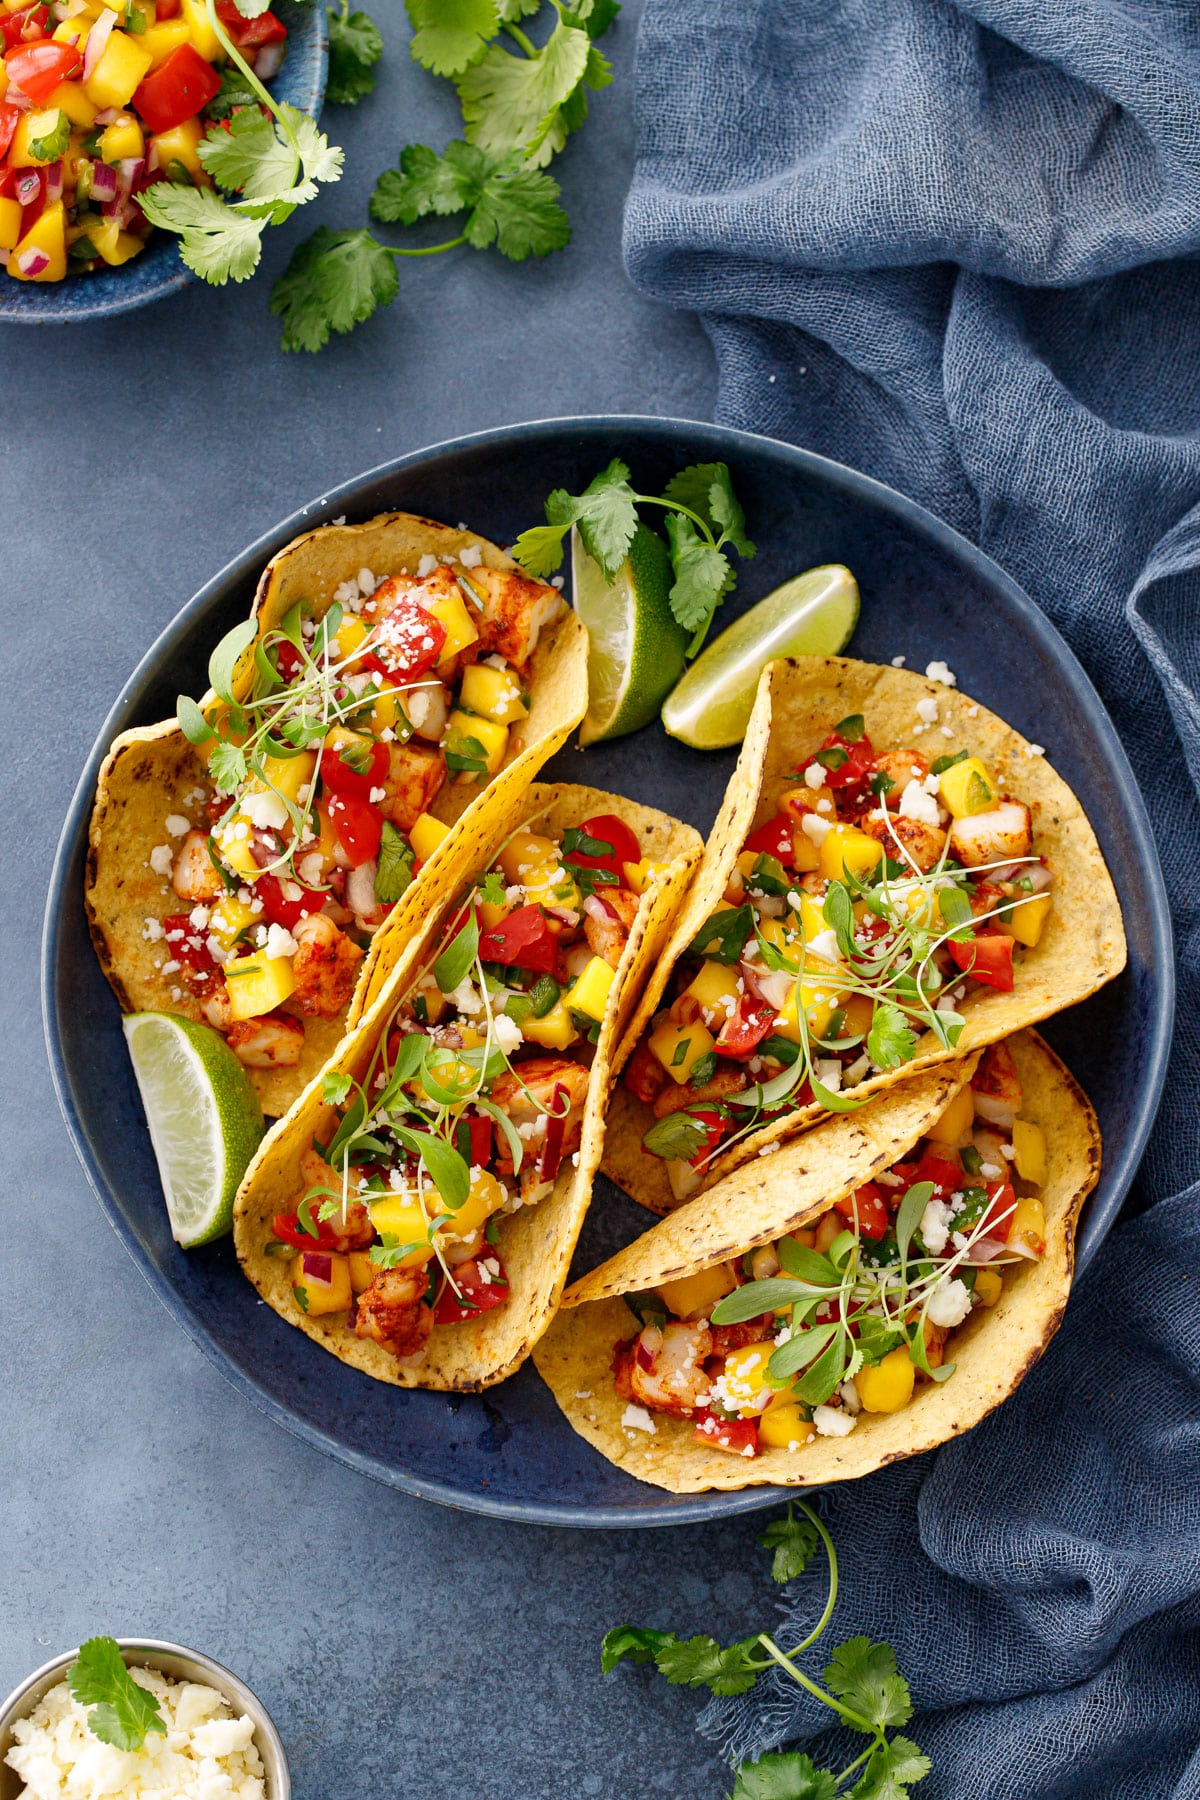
{"x":813,"y":614}
{"x":635,"y":647}
{"x":204,"y":1117}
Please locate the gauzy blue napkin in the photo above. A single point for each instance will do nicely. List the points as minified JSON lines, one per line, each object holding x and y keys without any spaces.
{"x":957,"y":247}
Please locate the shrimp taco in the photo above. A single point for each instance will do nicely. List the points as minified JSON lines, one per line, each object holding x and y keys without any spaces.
{"x":258,"y":861}
{"x":417,"y":1210}
{"x":896,"y":879}
{"x":878,"y":1287}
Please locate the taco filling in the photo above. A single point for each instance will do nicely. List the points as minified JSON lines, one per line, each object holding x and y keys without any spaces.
{"x":885,"y":889}
{"x":473,"y":1098}
{"x":850,"y":1314}
{"x":317,"y":810}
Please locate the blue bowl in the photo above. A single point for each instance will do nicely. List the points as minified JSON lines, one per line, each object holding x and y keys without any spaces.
{"x":926,"y":593}
{"x":159,"y":270}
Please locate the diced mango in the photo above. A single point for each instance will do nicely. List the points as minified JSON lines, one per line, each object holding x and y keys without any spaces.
{"x":426,"y":834}
{"x":485,"y":1197}
{"x":492,"y":738}
{"x":1028,"y":918}
{"x":846,"y":850}
{"x":451,"y":611}
{"x":639,"y":875}
{"x":784,"y":1424}
{"x":122,"y":138}
{"x":70,"y":98}
{"x":1029,"y":1151}
{"x":776,"y":934}
{"x":429,"y":1001}
{"x":122,"y":66}
{"x":287,"y":774}
{"x":955,"y":1122}
{"x":859,"y":1011}
{"x":233,"y":841}
{"x":989,"y":1285}
{"x":491,"y":913}
{"x":229,"y":917}
{"x":73,"y":30}
{"x":589,"y":993}
{"x":1027,"y":1227}
{"x":315,"y":1296}
{"x":49,"y":235}
{"x":812,"y":917}
{"x":113,"y":245}
{"x":527,"y":853}
{"x":680,"y":1047}
{"x":181,"y":145}
{"x":496,"y":693}
{"x":33,"y":128}
{"x":403,"y":1220}
{"x":195,"y":16}
{"x":258,"y":984}
{"x":352,"y":633}
{"x":816,"y":991}
{"x":748,"y":1381}
{"x":694,"y":1296}
{"x":712,"y":986}
{"x":967,"y":788}
{"x":362,"y":1271}
{"x":554,"y":1032}
{"x":10,"y":223}
{"x":806,"y":858}
{"x":159,"y":40}
{"x":887,"y":1386}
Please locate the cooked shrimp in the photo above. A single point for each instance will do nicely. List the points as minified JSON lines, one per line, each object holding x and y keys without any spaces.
{"x":194,"y":876}
{"x":901,"y":767}
{"x":516,"y":609}
{"x":676,"y":1377}
{"x":920,"y":843}
{"x":427,"y":707}
{"x":350,"y":1226}
{"x":272,"y":1042}
{"x":415,"y":773}
{"x":392,"y":1312}
{"x":607,"y":936}
{"x":1001,"y":834}
{"x":325,"y":966}
{"x":645,"y":1076}
{"x":678,"y":1096}
{"x":996,"y":1087}
{"x":215,"y":1007}
{"x":542,"y":1076}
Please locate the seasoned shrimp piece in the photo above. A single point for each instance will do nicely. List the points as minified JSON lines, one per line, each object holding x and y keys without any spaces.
{"x":996,"y":1087}
{"x":392,"y":1313}
{"x":194,"y":877}
{"x":901,"y":767}
{"x":325,"y":966}
{"x":272,"y":1042}
{"x":922,"y":843}
{"x":427,"y":707}
{"x":644,"y":1075}
{"x":215,"y":1007}
{"x":676,"y":1098}
{"x":607,"y":935}
{"x":541,"y":1075}
{"x":1001,"y":834}
{"x":675,"y":1378}
{"x":415,"y":773}
{"x":350,"y":1226}
{"x":516,"y":610}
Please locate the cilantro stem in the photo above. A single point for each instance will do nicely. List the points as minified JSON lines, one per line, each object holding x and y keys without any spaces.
{"x":831,"y":1558}
{"x":430,"y":250}
{"x":838,"y":1706}
{"x":519,"y":37}
{"x":232,"y":51}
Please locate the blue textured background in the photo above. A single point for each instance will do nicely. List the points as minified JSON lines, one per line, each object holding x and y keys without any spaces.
{"x":397,"y":1645}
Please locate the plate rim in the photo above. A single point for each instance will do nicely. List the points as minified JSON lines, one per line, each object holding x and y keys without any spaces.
{"x":673,"y":1509}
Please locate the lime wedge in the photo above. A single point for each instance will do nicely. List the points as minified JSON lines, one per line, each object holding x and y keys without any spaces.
{"x":635,"y":647}
{"x":813,"y":614}
{"x":204,"y":1117}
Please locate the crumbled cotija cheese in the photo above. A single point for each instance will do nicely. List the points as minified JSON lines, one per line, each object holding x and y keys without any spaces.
{"x":206,"y":1753}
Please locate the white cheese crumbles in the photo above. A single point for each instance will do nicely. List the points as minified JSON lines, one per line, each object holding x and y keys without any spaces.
{"x":833,"y":1421}
{"x":162,"y":859}
{"x":178,"y":825}
{"x":206,"y":1753}
{"x":265,"y":810}
{"x":927,"y":710}
{"x":917,"y":803}
{"x":938,"y":671}
{"x":935,"y":1226}
{"x":949,"y":1303}
{"x":636,"y":1418}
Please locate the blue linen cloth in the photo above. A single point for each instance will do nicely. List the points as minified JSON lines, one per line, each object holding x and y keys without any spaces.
{"x":958,"y":246}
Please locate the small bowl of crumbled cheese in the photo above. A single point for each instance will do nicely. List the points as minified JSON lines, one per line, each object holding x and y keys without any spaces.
{"x":135,"y":1719}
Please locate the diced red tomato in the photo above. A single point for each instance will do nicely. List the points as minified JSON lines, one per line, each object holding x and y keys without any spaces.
{"x":167,"y":9}
{"x":22,"y":27}
{"x":774,"y":838}
{"x":406,"y":644}
{"x":987,"y":958}
{"x":607,"y":829}
{"x":278,"y":909}
{"x":858,"y":766}
{"x":287,"y":1227}
{"x":1001,"y":1200}
{"x":37,"y":69}
{"x":186,"y":944}
{"x":288,"y":659}
{"x":868,"y":1203}
{"x":738,"y":1435}
{"x":744,"y":1031}
{"x":340,"y":778}
{"x":715,"y":1124}
{"x":358,"y":825}
{"x":8,"y":124}
{"x":180,"y":87}
{"x":248,"y":34}
{"x":479,"y":1134}
{"x":526,"y":939}
{"x":479,"y":1291}
{"x":947,"y":1177}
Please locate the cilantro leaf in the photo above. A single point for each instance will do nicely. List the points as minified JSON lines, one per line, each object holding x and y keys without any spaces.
{"x":253,"y":156}
{"x":701,"y":1662}
{"x":723,"y":938}
{"x":519,"y":212}
{"x":702,"y":573}
{"x":458,"y":958}
{"x":605,"y":513}
{"x":864,"y":1675}
{"x":451,"y":34}
{"x":892,"y":1769}
{"x":890,"y":1041}
{"x":787,"y":1777}
{"x":540,"y":549}
{"x":233,"y":92}
{"x":513,"y":207}
{"x":509,"y":102}
{"x":428,"y":183}
{"x":120,"y":1712}
{"x":794,"y":1541}
{"x":727,"y":513}
{"x":510,"y":12}
{"x":629,"y":1643}
{"x":335,"y":280}
{"x":394,"y":867}
{"x":677,"y":1138}
{"x":355,"y":46}
{"x":334,"y":1087}
{"x":216,"y":241}
{"x":597,"y":15}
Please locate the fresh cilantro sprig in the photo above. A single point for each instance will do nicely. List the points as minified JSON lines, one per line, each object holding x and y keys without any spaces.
{"x":703,"y":516}
{"x":519,"y":104}
{"x":863,"y":1687}
{"x":120,"y":1711}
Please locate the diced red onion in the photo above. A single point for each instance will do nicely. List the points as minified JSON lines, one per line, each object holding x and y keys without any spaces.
{"x":54,"y":182}
{"x":984,"y":1249}
{"x":28,"y":186}
{"x":97,"y":38}
{"x":269,"y":61}
{"x":318,"y":1265}
{"x":776,"y":988}
{"x":360,"y":889}
{"x":104,"y":182}
{"x":1018,"y":1247}
{"x":33,"y":262}
{"x":645,"y":1360}
{"x":597,"y":908}
{"x":556,"y":1126}
{"x":107,"y":116}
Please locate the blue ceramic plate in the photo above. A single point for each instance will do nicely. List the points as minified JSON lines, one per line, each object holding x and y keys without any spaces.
{"x":926,"y":593}
{"x":159,"y":269}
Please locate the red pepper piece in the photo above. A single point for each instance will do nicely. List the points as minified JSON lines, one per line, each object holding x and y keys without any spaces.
{"x":340,"y":778}
{"x":278,"y":910}
{"x":37,"y":69}
{"x":774,"y":838}
{"x":187,"y":944}
{"x":405,"y":644}
{"x":987,"y":959}
{"x":24,"y":27}
{"x":867,"y":1202}
{"x":622,"y":845}
{"x":751,"y":1022}
{"x":947,"y":1177}
{"x":738,"y":1435}
{"x":526,"y":939}
{"x":479,"y":1290}
{"x":248,"y":34}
